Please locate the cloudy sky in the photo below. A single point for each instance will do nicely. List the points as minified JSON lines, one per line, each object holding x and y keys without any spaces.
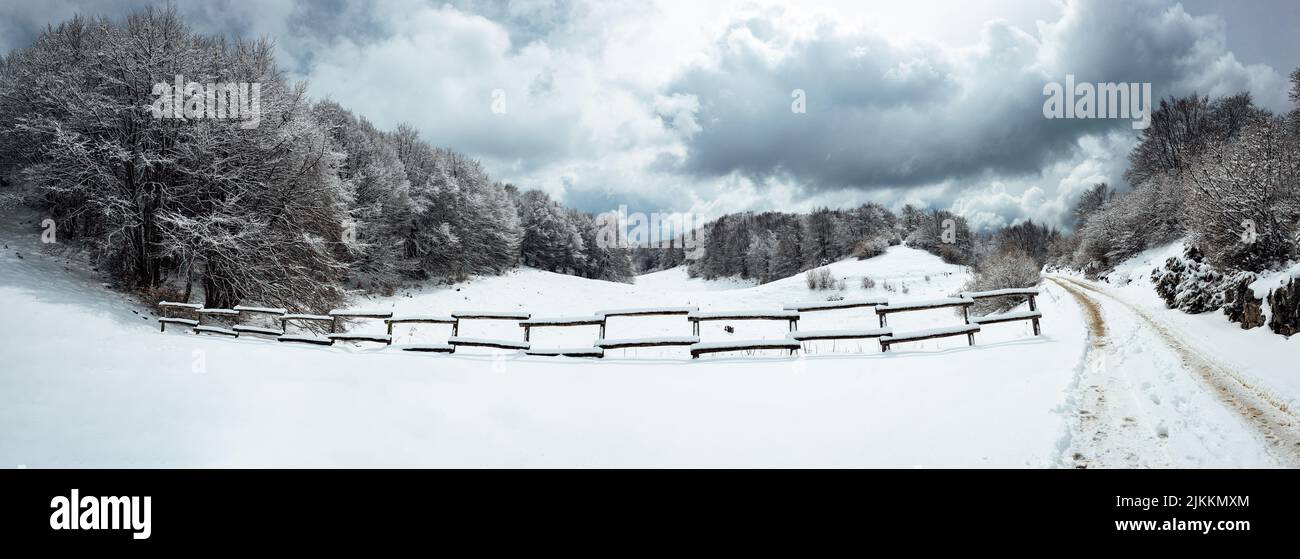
{"x":686,"y":105}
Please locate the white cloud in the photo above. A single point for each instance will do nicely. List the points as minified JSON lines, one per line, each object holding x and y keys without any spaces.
{"x":685,"y":105}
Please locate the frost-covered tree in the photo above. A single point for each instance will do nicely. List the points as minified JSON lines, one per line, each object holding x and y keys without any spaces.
{"x":242,"y":211}
{"x":552,"y":241}
{"x":1246,"y":198}
{"x":1090,"y":201}
{"x":378,"y":191}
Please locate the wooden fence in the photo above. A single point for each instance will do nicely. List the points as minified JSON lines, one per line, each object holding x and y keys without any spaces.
{"x":218,"y":321}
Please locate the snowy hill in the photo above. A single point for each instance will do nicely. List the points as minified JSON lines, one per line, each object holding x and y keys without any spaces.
{"x":89,"y":382}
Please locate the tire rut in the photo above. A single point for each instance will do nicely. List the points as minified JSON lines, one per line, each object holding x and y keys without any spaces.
{"x":1107,"y":427}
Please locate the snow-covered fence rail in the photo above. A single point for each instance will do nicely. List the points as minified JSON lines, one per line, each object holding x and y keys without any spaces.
{"x":344,"y":314}
{"x":660,"y":341}
{"x":743,"y":345}
{"x":419,"y":319}
{"x":1033,"y":314}
{"x":244,"y":328}
{"x":839,"y":334}
{"x":816,"y":306}
{"x":862,"y":334}
{"x":423,"y":319}
{"x":790,"y":317}
{"x":169,"y":309}
{"x":218,"y":329}
{"x":791,"y":314}
{"x":305,"y":338}
{"x":640,"y":313}
{"x":648,"y":311}
{"x":456,"y":340}
{"x":566,"y":351}
{"x":883,"y":311}
{"x":968,"y":330}
{"x":558,"y":322}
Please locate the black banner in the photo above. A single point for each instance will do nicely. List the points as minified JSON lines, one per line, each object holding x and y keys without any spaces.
{"x":769,"y":509}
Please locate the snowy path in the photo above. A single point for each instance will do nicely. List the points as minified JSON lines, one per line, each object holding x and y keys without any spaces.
{"x":1148,"y":398}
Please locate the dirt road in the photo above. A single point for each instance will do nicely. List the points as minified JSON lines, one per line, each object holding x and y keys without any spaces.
{"x":1106,"y":439}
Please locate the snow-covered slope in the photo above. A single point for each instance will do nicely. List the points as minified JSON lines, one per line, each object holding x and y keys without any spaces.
{"x":87,"y":381}
{"x":1265,"y":358}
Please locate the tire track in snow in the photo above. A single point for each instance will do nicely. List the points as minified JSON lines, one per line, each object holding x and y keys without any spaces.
{"x":1109,"y":428}
{"x":1270,"y":420}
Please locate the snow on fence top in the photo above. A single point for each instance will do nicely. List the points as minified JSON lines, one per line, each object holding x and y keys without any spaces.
{"x":356,"y":337}
{"x":831,"y":305}
{"x":647,"y":311}
{"x":1000,"y":292}
{"x":927,"y":304}
{"x":436,"y":318}
{"x":307,"y":339}
{"x":492,"y":315}
{"x":1006,"y":317}
{"x":219,"y":312}
{"x":933,"y":333}
{"x":487,"y":342}
{"x":263,"y":310}
{"x":176,"y":305}
{"x":744,"y":315}
{"x":294,"y":316}
{"x":344,"y":313}
{"x":746,"y":344}
{"x":810,"y":335}
{"x":563,"y":321}
{"x":567,"y":351}
{"x":647,"y":342}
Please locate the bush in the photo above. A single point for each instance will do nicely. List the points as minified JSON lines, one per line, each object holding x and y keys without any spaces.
{"x":867,"y":282}
{"x":870,"y":248}
{"x":1007,"y":269}
{"x":821,"y":278}
{"x":1189,"y":284}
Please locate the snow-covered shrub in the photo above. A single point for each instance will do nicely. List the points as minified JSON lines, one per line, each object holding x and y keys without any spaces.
{"x":870,"y":248}
{"x":1188,"y":283}
{"x":821,"y":278}
{"x":868,"y":283}
{"x":1007,"y":269}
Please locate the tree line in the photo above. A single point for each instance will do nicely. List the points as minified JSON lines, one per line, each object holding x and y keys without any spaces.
{"x":1222,"y":173}
{"x":312,"y":203}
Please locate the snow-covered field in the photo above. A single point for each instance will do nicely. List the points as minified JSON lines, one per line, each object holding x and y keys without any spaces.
{"x":89,"y":381}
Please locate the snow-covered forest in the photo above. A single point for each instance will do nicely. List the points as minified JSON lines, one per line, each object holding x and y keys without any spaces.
{"x":1225,"y":175}
{"x":314,"y":202}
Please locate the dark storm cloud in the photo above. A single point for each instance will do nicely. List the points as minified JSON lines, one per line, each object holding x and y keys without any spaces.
{"x":881,"y":116}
